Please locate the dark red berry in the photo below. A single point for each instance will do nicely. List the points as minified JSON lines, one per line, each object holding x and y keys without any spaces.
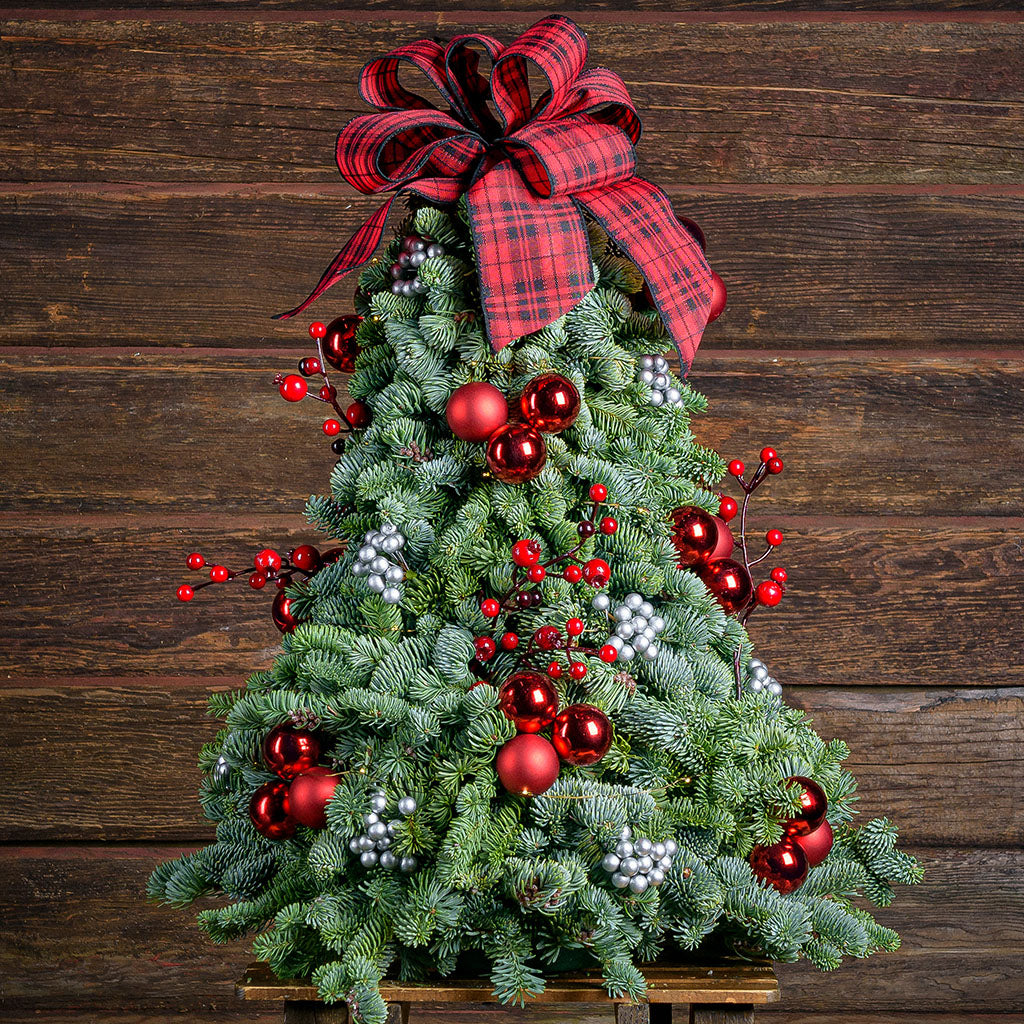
{"x":535,"y":598}
{"x":598,"y":492}
{"x":609,"y":525}
{"x":774,"y":537}
{"x":769,"y":593}
{"x":736,"y":467}
{"x":219,"y":573}
{"x":524,"y":600}
{"x":328,"y":392}
{"x":485,"y":648}
{"x":526,"y":552}
{"x":577,"y":670}
{"x":293,"y":388}
{"x":767,"y":454}
{"x":195,"y":561}
{"x":608,"y":653}
{"x":779,"y":574}
{"x":547,"y":638}
{"x":536,"y":573}
{"x":490,"y":607}
{"x":317,"y":330}
{"x":268,"y":558}
{"x":573,"y":573}
{"x":331,"y":427}
{"x":257,"y":581}
{"x":574,"y":627}
{"x":586,"y":529}
{"x":727,"y":508}
{"x":310,"y":366}
{"x":510,"y":641}
{"x":775,"y":466}
{"x":185,"y":592}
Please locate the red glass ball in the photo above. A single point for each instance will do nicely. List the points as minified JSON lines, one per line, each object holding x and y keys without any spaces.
{"x":728,"y":582}
{"x":195,"y":561}
{"x":718,"y":297}
{"x":727,"y":508}
{"x":339,"y":346}
{"x":490,"y":607}
{"x":813,"y":807}
{"x":769,"y":593}
{"x":573,"y":573}
{"x":526,"y":552}
{"x":185,"y":592}
{"x":597,"y":572}
{"x":306,"y":557}
{"x":816,"y":845}
{"x":267,"y":559}
{"x":485,"y":648}
{"x":516,"y":453}
{"x":308,"y":794}
{"x":475,"y":411}
{"x":282,"y":611}
{"x":527,"y":765}
{"x":582,"y":734}
{"x":550,"y":403}
{"x":547,"y":638}
{"x":289,"y":752}
{"x":598,"y":492}
{"x":723,"y":549}
{"x":268,"y":811}
{"x":529,"y":700}
{"x":694,"y":535}
{"x":293,"y":388}
{"x":358,"y":415}
{"x":782,"y":866}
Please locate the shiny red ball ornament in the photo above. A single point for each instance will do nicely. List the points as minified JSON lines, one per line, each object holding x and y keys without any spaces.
{"x":550,"y":403}
{"x":774,"y":537}
{"x":195,"y":561}
{"x":317,"y":329}
{"x":728,"y":582}
{"x":185,"y":592}
{"x":526,"y":552}
{"x":306,"y":557}
{"x":779,"y":574}
{"x":775,"y":466}
{"x":718,"y":297}
{"x":282,"y":611}
{"x":736,"y":467}
{"x":769,"y":593}
{"x":597,"y":572}
{"x":783,"y":866}
{"x":358,"y":415}
{"x":547,"y":638}
{"x":516,"y":453}
{"x":268,"y":811}
{"x":608,"y":653}
{"x":694,"y":535}
{"x":293,"y":388}
{"x":816,"y":845}
{"x":727,"y":508}
{"x":609,"y":525}
{"x":582,"y":734}
{"x":490,"y":607}
{"x":598,"y":492}
{"x":475,"y":411}
{"x":258,"y":580}
{"x":289,"y":751}
{"x":267,"y":559}
{"x":331,"y":427}
{"x":527,"y":765}
{"x":813,"y":807}
{"x":308,"y":794}
{"x":726,"y":542}
{"x":573,"y":573}
{"x":529,"y":700}
{"x":339,"y":346}
{"x":767,"y":454}
{"x":485,"y":648}
{"x":219,"y":573}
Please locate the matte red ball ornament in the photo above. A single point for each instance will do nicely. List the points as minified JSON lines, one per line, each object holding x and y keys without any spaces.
{"x":783,"y":866}
{"x":817,"y":845}
{"x":339,"y":345}
{"x":694,"y":535}
{"x":290,"y":752}
{"x":516,"y":453}
{"x":269,"y":813}
{"x":597,"y":572}
{"x":718,"y":297}
{"x":529,"y":700}
{"x":308,"y":794}
{"x":527,"y":765}
{"x":813,"y":807}
{"x":282,"y":611}
{"x":582,"y":734}
{"x":475,"y":411}
{"x":728,"y":582}
{"x":726,"y":542}
{"x":550,"y":403}
{"x":306,"y":557}
{"x":358,"y":415}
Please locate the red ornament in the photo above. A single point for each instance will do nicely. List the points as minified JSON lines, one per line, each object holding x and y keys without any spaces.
{"x":550,"y":403}
{"x":293,"y":388}
{"x":258,"y":580}
{"x":317,"y":330}
{"x":527,"y":765}
{"x":475,"y":411}
{"x":609,"y":525}
{"x":195,"y":561}
{"x":728,"y":582}
{"x":694,"y":228}
{"x":573,"y":574}
{"x":290,"y":752}
{"x":516,"y":453}
{"x":510,"y":641}
{"x":816,"y":845}
{"x":219,"y":573}
{"x":185,"y":592}
{"x":608,"y":653}
{"x":339,"y":346}
{"x":813,"y":807}
{"x":718,"y":296}
{"x":547,"y":638}
{"x":598,"y":492}
{"x":783,"y":865}
{"x":529,"y":700}
{"x":485,"y":648}
{"x":331,"y":427}
{"x":775,"y":466}
{"x":694,"y":535}
{"x":597,"y":572}
{"x":358,"y":415}
{"x":268,"y":811}
{"x":306,"y":557}
{"x":582,"y":734}
{"x":779,"y":574}
{"x":308,"y":794}
{"x":490,"y":607}
{"x":774,"y":537}
{"x":727,"y":508}
{"x":736,"y":467}
{"x":267,"y":559}
{"x":769,"y":593}
{"x":723,"y":549}
{"x":525,"y":552}
{"x":282,"y":611}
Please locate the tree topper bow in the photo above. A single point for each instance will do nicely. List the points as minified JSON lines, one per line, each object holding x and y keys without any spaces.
{"x":528,"y":170}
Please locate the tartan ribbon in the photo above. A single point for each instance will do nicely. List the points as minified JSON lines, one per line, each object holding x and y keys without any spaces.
{"x":528,"y":168}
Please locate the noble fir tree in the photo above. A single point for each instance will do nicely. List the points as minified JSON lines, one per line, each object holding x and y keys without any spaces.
{"x":413,"y":787}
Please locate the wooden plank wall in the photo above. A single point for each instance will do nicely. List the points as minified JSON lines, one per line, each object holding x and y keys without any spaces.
{"x":166,"y":184}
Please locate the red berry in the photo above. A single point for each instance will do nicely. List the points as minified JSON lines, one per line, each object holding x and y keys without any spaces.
{"x":510,"y":641}
{"x":547,"y":638}
{"x":609,"y":525}
{"x":608,"y":653}
{"x":257,"y":581}
{"x":774,"y":537}
{"x":536,"y":573}
{"x":526,"y":552}
{"x":195,"y":560}
{"x":268,"y":558}
{"x":293,"y":388}
{"x":219,"y":573}
{"x":727,"y":508}
{"x":779,"y":574}
{"x":328,"y":392}
{"x":573,"y":573}
{"x":554,"y":670}
{"x":736,"y":467}
{"x":767,"y":454}
{"x":358,"y":415}
{"x":332,"y":427}
{"x":317,"y":330}
{"x":597,"y":572}
{"x":598,"y":492}
{"x":485,"y":648}
{"x":479,"y":682}
{"x":769,"y":593}
{"x":310,"y":366}
{"x":574,"y":627}
{"x":775,"y":466}
{"x":306,"y":557}
{"x":490,"y":607}
{"x":185,"y":592}
{"x":577,"y":670}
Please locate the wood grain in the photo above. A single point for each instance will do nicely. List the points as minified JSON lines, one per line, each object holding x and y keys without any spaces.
{"x":961,"y":943}
{"x":261,"y":100}
{"x":102,"y":265}
{"x":250,"y":1013}
{"x":127,"y":765}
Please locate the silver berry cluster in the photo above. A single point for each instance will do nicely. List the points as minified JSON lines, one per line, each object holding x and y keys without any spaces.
{"x":415,"y":252}
{"x":379,"y":559}
{"x":759,"y":678}
{"x":637,"y":865}
{"x":374,"y":845}
{"x":654,"y":372}
{"x":636,"y":626}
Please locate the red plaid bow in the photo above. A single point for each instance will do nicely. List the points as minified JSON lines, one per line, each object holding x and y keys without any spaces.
{"x":528,"y":169}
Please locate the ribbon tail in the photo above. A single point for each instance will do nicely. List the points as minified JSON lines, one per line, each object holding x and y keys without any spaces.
{"x":639,"y":218}
{"x":355,"y":253}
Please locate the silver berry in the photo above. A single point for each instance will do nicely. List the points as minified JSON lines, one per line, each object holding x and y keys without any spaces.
{"x":365,"y":844}
{"x":646,"y":863}
{"x":387,"y":860}
{"x":644,"y":845}
{"x":407,"y":865}
{"x":656,"y":876}
{"x":376,"y":584}
{"x":378,"y":830}
{"x":368,"y":859}
{"x":391,"y":595}
{"x":600,"y":602}
{"x":221,"y":770}
{"x":353,"y":845}
{"x":638,"y":884}
{"x":629,"y":866}
{"x":624,"y":849}
{"x":610,"y":862}
{"x":627,"y":653}
{"x":619,"y":880}
{"x":633,"y":601}
{"x":671,"y":847}
{"x":407,"y":805}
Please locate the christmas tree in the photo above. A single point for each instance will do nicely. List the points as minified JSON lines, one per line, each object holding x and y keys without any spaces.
{"x":516,"y":720}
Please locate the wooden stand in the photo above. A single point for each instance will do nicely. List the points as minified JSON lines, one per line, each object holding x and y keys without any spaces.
{"x":724,"y":994}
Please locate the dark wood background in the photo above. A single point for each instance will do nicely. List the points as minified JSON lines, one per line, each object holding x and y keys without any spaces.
{"x":166,"y":184}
